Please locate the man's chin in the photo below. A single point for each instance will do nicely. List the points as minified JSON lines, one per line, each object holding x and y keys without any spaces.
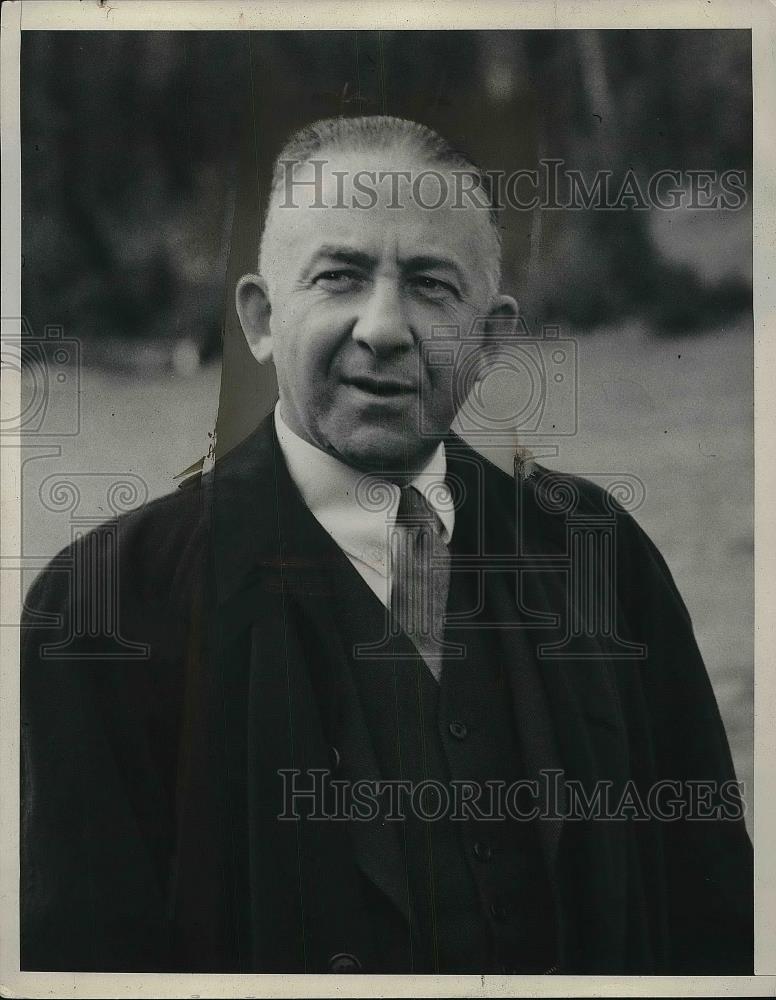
{"x":378,"y":450}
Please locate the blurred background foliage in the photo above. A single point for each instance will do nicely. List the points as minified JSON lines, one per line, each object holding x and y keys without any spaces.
{"x":132,"y":145}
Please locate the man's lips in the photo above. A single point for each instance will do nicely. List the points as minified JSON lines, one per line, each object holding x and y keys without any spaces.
{"x":381,"y":386}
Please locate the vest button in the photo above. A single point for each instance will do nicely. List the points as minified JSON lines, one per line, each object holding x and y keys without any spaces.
{"x":499,"y":911}
{"x":344,"y":962}
{"x":459,"y":730}
{"x":483,"y":851}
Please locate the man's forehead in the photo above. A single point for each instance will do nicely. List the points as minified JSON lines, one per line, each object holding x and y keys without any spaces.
{"x":378,"y":202}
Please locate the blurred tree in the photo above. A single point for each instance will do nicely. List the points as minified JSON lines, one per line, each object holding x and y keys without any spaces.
{"x":131,"y":143}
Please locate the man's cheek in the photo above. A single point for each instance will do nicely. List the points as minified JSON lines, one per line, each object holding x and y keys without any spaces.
{"x":437,"y":403}
{"x":440,"y":383}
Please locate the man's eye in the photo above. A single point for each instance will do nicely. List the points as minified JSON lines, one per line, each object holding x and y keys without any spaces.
{"x":338,"y":279}
{"x":434,"y":286}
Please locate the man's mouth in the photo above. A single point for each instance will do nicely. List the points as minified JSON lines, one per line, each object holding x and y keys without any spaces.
{"x":387,"y":387}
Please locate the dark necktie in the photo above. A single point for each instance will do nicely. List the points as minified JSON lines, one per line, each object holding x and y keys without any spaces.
{"x":420,"y":565}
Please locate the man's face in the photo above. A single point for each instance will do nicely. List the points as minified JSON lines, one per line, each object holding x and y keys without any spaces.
{"x":353,"y":294}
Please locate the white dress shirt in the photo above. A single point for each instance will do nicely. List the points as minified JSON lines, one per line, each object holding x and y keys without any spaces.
{"x":359,"y":509}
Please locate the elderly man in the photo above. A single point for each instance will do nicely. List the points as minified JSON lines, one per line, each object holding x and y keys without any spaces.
{"x":355,"y":736}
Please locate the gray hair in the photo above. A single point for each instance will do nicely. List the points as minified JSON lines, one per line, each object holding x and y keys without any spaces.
{"x":382,"y":133}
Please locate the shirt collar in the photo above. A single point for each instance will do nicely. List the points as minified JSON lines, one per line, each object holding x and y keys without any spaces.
{"x":358,"y":509}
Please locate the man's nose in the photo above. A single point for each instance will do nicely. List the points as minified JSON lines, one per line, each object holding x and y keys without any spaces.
{"x":382,"y":323}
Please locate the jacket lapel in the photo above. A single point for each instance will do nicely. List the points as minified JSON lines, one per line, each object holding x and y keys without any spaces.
{"x":298,"y":866}
{"x":376,"y":844}
{"x":567,"y":713}
{"x":276,"y":564}
{"x":592,"y":750}
{"x":489,"y":514}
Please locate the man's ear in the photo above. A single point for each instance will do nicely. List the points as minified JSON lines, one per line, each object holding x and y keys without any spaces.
{"x":500,"y":323}
{"x":253,"y":309}
{"x":502,"y":317}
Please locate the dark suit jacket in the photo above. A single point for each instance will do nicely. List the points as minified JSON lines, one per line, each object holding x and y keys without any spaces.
{"x":153,"y":733}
